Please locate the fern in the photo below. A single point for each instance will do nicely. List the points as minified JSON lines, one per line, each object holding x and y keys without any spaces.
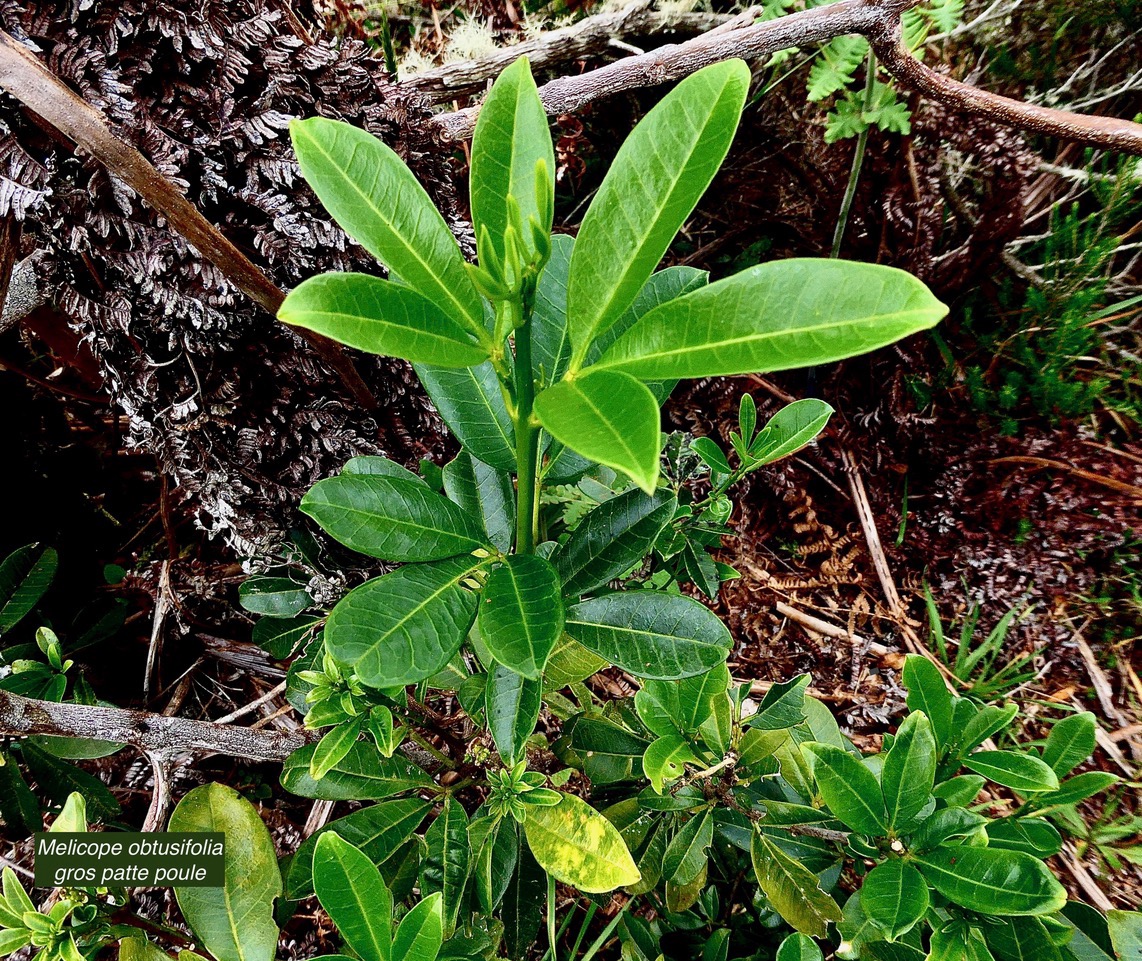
{"x":849,"y":118}
{"x":836,"y":66}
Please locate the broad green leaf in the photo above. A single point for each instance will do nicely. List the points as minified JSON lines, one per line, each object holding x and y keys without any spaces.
{"x":666,"y":760}
{"x":946,"y":823}
{"x":380,"y":317}
{"x":73,"y":816}
{"x":512,"y":703}
{"x":350,"y":889}
{"x":790,"y":429}
{"x":799,"y":947}
{"x":1126,"y":934}
{"x":775,"y":316}
{"x":381,"y":466}
{"x":521,"y":613}
{"x":421,"y":931}
{"x":651,"y":634}
{"x":608,"y":750}
{"x":928,"y":693}
{"x":892,"y":951}
{"x":57,"y":779}
{"x":895,"y":896}
{"x":377,"y":831}
{"x":1077,"y":788}
{"x":909,"y":772}
{"x":403,"y":627}
{"x":495,"y":846}
{"x":783,"y":706}
{"x":575,"y":844}
{"x":983,"y":724}
{"x":686,"y":854}
{"x":484,"y":492}
{"x":611,"y":539}
{"x":608,"y":417}
{"x":445,"y":867}
{"x":277,"y":597}
{"x":12,"y":940}
{"x":1020,"y":939}
{"x":361,"y":775}
{"x":855,"y":929}
{"x":281,"y":637}
{"x":960,"y":791}
{"x":139,"y":949}
{"x":673,"y":707}
{"x":522,"y":909}
{"x":848,"y":787}
{"x":379,"y":203}
{"x":792,"y":889}
{"x":511,"y":138}
{"x":333,"y":747}
{"x":569,"y":663}
{"x":657,"y":178}
{"x":992,"y":882}
{"x":662,"y":286}
{"x":682,"y":897}
{"x":1018,"y":771}
{"x":25,"y":575}
{"x":1033,"y":835}
{"x":471,"y":403}
{"x":550,"y":344}
{"x":389,"y":518}
{"x":1070,"y":742}
{"x":236,"y":922}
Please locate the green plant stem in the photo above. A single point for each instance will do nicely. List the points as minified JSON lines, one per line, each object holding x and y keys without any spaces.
{"x":606,"y":932}
{"x":527,"y":442}
{"x":551,"y":916}
{"x":858,"y":161}
{"x":591,"y":909}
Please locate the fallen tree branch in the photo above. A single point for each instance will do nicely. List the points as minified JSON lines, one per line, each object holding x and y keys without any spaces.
{"x":38,"y":89}
{"x":154,"y":734}
{"x":878,"y":20}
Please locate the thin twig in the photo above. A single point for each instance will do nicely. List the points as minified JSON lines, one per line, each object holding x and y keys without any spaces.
{"x":818,"y":626}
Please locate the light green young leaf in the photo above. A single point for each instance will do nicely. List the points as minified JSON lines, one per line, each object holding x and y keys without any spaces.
{"x":403,"y":627}
{"x":612,"y":539}
{"x":350,"y":889}
{"x":234,"y":922}
{"x":1126,"y":934}
{"x":909,"y":770}
{"x":575,"y":844}
{"x":512,"y":704}
{"x":521,"y":613}
{"x":651,"y":634}
{"x":378,"y":202}
{"x":895,"y":896}
{"x":73,"y":816}
{"x":389,"y":518}
{"x":792,"y":889}
{"x":471,"y":403}
{"x":790,"y":429}
{"x":421,"y":932}
{"x":657,"y":178}
{"x":482,"y":491}
{"x":445,"y":867}
{"x":848,"y":787}
{"x":990,"y":881}
{"x":666,"y":760}
{"x":1018,"y":771}
{"x":569,"y":663}
{"x":775,"y":316}
{"x":1070,"y":742}
{"x":333,"y":747}
{"x":680,"y":707}
{"x":511,"y":137}
{"x":608,"y":417}
{"x":380,"y":317}
{"x":132,"y":949}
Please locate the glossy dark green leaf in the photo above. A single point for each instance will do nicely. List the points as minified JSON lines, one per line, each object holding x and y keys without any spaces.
{"x":909,"y":772}
{"x":651,"y":634}
{"x":380,"y":466}
{"x":947,"y":823}
{"x":236,"y":923}
{"x":390,"y":518}
{"x":57,"y":779}
{"x":783,"y":705}
{"x":445,"y":867}
{"x":521,"y":613}
{"x":495,"y":848}
{"x":471,"y":403}
{"x":512,"y":703}
{"x":522,"y":910}
{"x":608,"y":417}
{"x":777,"y":315}
{"x":1033,"y":835}
{"x":960,"y":791}
{"x":274,"y":597}
{"x":681,"y":707}
{"x":611,"y":539}
{"x":848,"y":787}
{"x":551,"y":345}
{"x":281,"y":637}
{"x":361,"y":775}
{"x":990,"y":881}
{"x":421,"y":932}
{"x":484,"y":492}
{"x":378,"y":202}
{"x":666,"y":760}
{"x":510,"y":139}
{"x":656,"y":179}
{"x":792,"y":889}
{"x":1078,"y":788}
{"x":1013,"y":769}
{"x":18,"y":805}
{"x":25,"y":575}
{"x":380,"y":317}
{"x":790,"y":429}
{"x":350,"y":889}
{"x":928,"y":693}
{"x":377,"y":831}
{"x":983,"y":724}
{"x":403,"y":627}
{"x":687,"y":853}
{"x":1070,"y":742}
{"x":575,"y":844}
{"x":1020,"y":939}
{"x":895,"y":896}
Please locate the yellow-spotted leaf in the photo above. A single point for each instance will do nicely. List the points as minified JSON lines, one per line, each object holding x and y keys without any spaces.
{"x":575,"y":844}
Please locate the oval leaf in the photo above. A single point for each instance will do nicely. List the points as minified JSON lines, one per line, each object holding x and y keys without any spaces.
{"x":235,"y":923}
{"x":471,"y":403}
{"x":390,"y":518}
{"x":512,"y":702}
{"x":666,"y":760}
{"x":1020,"y":772}
{"x":350,"y":889}
{"x":421,"y":931}
{"x":651,"y":634}
{"x":608,"y":417}
{"x":575,"y":844}
{"x":790,"y":429}
{"x":1070,"y":742}
{"x":776,"y":316}
{"x":361,"y":775}
{"x":895,"y":896}
{"x":798,"y":947}
{"x":686,"y":856}
{"x":848,"y":787}
{"x":993,"y":881}
{"x":521,"y":613}
{"x":380,"y":317}
{"x":25,"y":575}
{"x":792,"y":889}
{"x":909,"y":772}
{"x":481,"y":491}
